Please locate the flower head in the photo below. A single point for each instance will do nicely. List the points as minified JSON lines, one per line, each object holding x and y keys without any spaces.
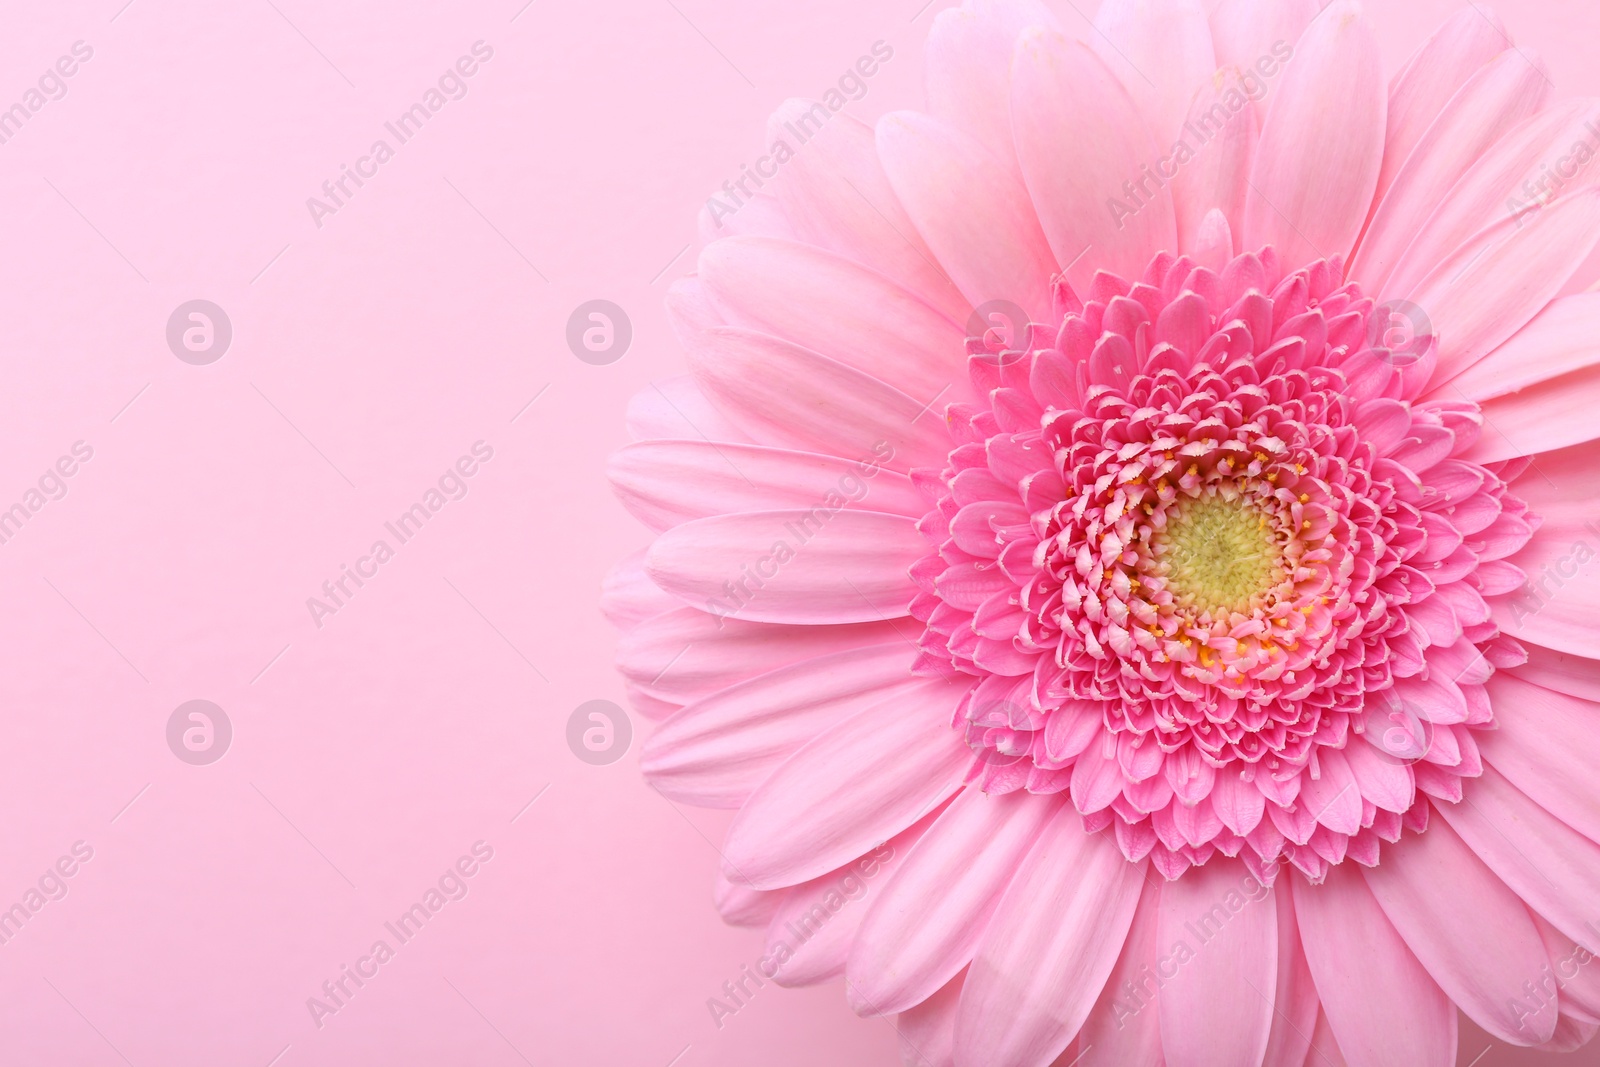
{"x":1126,"y":546}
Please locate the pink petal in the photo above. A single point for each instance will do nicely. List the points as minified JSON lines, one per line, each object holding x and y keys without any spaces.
{"x":1381,"y":1004}
{"x":973,"y":211}
{"x":1548,"y":746}
{"x":819,"y":919}
{"x":676,"y":409}
{"x":1492,"y":286}
{"x":1548,"y":864}
{"x":1079,"y":138}
{"x":1325,"y":1050}
{"x":1217,"y":1011}
{"x":791,"y":396}
{"x":716,"y":751}
{"x":1570,"y":962}
{"x":838,"y":308}
{"x":1563,"y":672}
{"x":664,"y":483}
{"x":1161,"y":50}
{"x":742,"y":906}
{"x":1334,"y":798}
{"x":1317,"y":164}
{"x":923,"y":928}
{"x":1559,"y":606}
{"x":1295,"y":1006}
{"x":789,"y":567}
{"x":1218,"y":177}
{"x":1125,"y":1026}
{"x":968,"y":56}
{"x":1054,"y":939}
{"x":928,"y":1030}
{"x":1260,"y":36}
{"x":1507,"y":90}
{"x":852,"y":787}
{"x":629,"y":597}
{"x":1514,"y":176}
{"x":685,"y":654}
{"x":1563,"y":338}
{"x":760,"y":215}
{"x":1540,"y":418}
{"x":1432,"y":77}
{"x":1426,"y":885}
{"x":1383,"y":779}
{"x":837,"y":197}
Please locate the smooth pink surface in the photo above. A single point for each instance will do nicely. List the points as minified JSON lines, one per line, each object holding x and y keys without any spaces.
{"x":367,"y":357}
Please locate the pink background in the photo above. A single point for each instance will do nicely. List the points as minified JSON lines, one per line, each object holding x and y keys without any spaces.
{"x":367,"y":356}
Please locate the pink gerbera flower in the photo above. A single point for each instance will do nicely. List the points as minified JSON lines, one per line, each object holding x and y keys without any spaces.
{"x":1127,"y":547}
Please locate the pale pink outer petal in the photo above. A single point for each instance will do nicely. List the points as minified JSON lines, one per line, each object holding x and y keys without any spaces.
{"x":1548,"y":746}
{"x":1079,"y":138}
{"x":848,"y":790}
{"x":1573,"y":967}
{"x":1054,"y":939}
{"x":1558,"y":607}
{"x":1469,"y":930}
{"x":1382,"y":1005}
{"x":1217,"y":178}
{"x":628,"y":596}
{"x":1506,"y":91}
{"x":838,"y":308}
{"x":851,"y":569}
{"x":925,"y":925}
{"x":664,"y":483}
{"x":716,"y":751}
{"x":1505,"y":182}
{"x":740,"y":905}
{"x":1432,"y":76}
{"x":1125,"y":1025}
{"x":1540,"y":418}
{"x":972,"y":210}
{"x":677,"y":409}
{"x":1325,"y":1051}
{"x":1491,"y":287}
{"x":1545,"y":862}
{"x":969,"y":54}
{"x":819,"y":919}
{"x":1246,"y":32}
{"x":1161,"y":50}
{"x":685,"y":654}
{"x":1217,"y":1011}
{"x":928,"y":1030}
{"x":760,"y":215}
{"x":1571,"y":1034}
{"x":791,"y":396}
{"x":1563,"y":338}
{"x":1563,"y":672}
{"x":1317,"y":163}
{"x":837,"y":197}
{"x":1294,"y":1005}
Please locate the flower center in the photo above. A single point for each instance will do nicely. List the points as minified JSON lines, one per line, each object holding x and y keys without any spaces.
{"x":1218,"y":555}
